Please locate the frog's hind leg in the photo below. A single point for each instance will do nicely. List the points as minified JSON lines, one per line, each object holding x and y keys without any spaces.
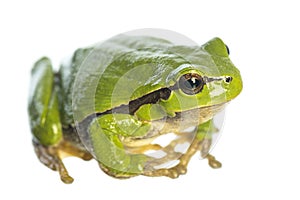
{"x":45,"y":118}
{"x":66,"y":149}
{"x":44,"y":114}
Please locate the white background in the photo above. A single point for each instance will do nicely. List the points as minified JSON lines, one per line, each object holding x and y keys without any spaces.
{"x":259,"y":147}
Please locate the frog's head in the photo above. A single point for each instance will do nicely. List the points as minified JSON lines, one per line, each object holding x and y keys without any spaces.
{"x":209,"y":79}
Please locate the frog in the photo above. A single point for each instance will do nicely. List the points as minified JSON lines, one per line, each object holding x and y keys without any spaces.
{"x":111,"y":101}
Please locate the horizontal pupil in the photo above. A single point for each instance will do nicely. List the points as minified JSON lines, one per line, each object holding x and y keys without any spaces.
{"x":192,"y":84}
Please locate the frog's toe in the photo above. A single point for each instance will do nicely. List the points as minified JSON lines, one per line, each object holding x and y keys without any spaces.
{"x":176,"y":171}
{"x":213,"y":163}
{"x":173,"y":173}
{"x":181,"y":169}
{"x":67,"y":179}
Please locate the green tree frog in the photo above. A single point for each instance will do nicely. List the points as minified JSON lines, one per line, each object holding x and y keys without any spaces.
{"x":113,"y":100}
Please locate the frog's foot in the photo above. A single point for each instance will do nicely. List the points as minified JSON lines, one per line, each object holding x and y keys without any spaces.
{"x":173,"y":172}
{"x":204,"y":149}
{"x":180,"y":168}
{"x":213,"y":163}
{"x":66,"y":150}
{"x":49,"y":156}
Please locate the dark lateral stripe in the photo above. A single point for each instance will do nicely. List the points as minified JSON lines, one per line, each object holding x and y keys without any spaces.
{"x":134,"y":105}
{"x":130,"y":108}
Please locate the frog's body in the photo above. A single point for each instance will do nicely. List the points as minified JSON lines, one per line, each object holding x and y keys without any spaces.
{"x":114,"y":110}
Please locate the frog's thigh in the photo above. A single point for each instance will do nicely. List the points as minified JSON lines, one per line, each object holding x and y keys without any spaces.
{"x":43,"y":104}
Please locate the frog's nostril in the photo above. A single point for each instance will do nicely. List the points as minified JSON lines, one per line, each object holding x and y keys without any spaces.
{"x":228,"y":79}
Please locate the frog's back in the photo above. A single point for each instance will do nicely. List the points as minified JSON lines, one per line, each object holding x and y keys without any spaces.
{"x":122,"y":54}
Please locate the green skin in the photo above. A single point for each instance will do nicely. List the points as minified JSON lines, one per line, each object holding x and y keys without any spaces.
{"x":57,"y":98}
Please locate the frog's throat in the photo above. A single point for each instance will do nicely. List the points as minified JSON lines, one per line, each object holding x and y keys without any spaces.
{"x":184,"y":120}
{"x":177,"y":124}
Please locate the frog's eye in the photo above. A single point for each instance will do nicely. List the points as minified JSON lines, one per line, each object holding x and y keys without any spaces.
{"x":191,"y":83}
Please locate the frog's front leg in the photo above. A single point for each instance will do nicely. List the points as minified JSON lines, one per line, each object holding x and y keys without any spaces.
{"x":204,"y":134}
{"x":142,"y":149}
{"x":108,"y":134}
{"x":181,"y":167}
{"x":204,"y":149}
{"x":202,"y":143}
